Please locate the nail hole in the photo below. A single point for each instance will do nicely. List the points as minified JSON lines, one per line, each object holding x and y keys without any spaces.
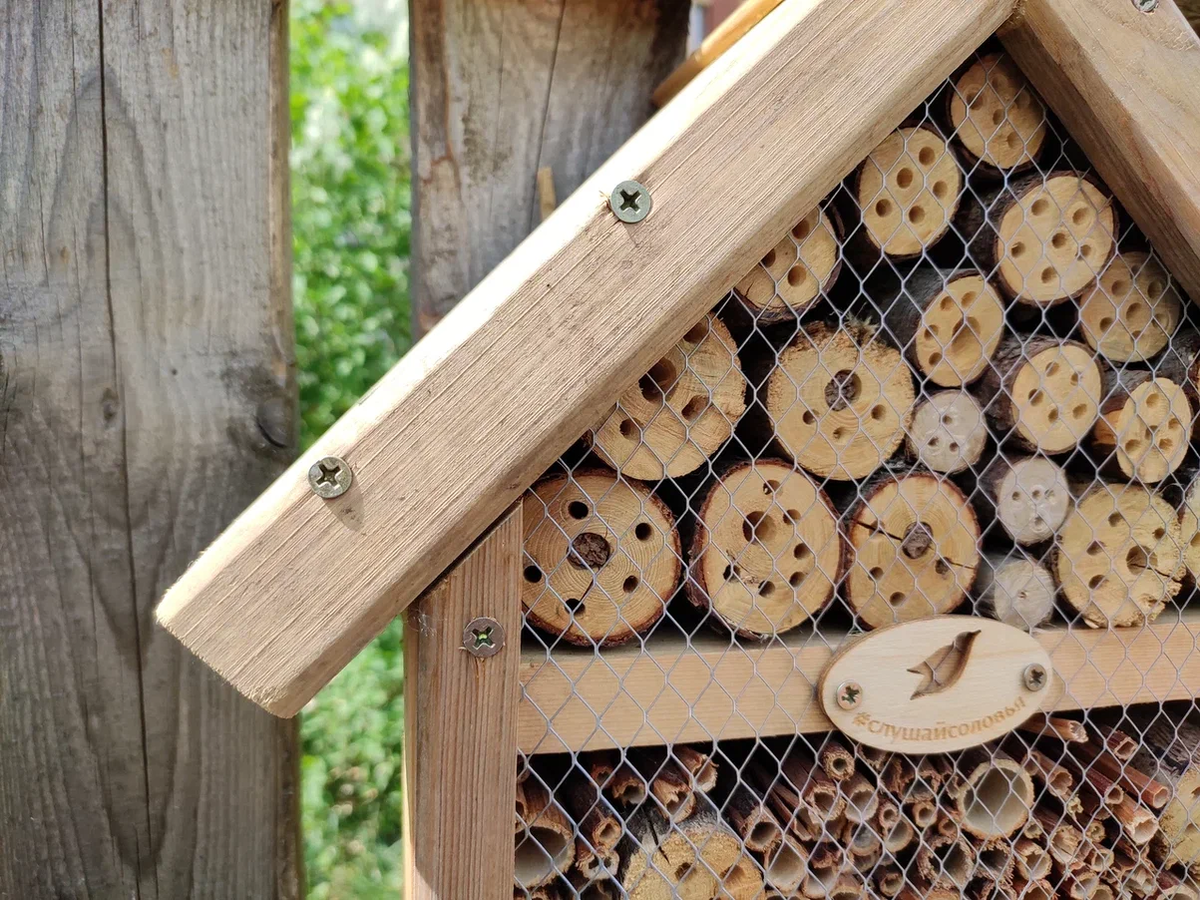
{"x":801,"y":551}
{"x":940,"y":189}
{"x":767,"y":588}
{"x":877,"y":573}
{"x":877,"y":413}
{"x":801,"y":231}
{"x":694,"y":407}
{"x":769,"y":259}
{"x":1115,"y":519}
{"x":1018,"y":249}
{"x":1059,"y":240}
{"x":896,"y":599}
{"x":916,"y":215}
{"x":796,"y":579}
{"x":1095,"y":581}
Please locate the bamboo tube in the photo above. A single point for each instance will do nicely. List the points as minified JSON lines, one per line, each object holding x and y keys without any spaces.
{"x":889,"y":880}
{"x":1094,"y":831}
{"x":1034,"y":890}
{"x":1171,"y":885}
{"x":998,"y":794}
{"x":948,"y":823}
{"x":817,"y":791}
{"x":1080,"y":884}
{"x":1139,"y":824}
{"x":860,"y":839}
{"x":601,"y":557}
{"x":600,"y":890}
{"x":1144,"y":424}
{"x":1103,"y":891}
{"x":1117,"y":742}
{"x":907,"y":191}
{"x":862,"y":798}
{"x":600,"y":765}
{"x":997,"y":119}
{"x":986,"y":889}
{"x":1066,"y":730}
{"x":824,"y":865}
{"x":922,"y":891}
{"x":948,"y":432}
{"x":626,"y":786}
{"x":543,"y":836}
{"x":839,"y":400}
{"x":681,"y":411}
{"x":1132,"y":310}
{"x":1031,"y":860}
{"x":945,"y":861}
{"x":1015,"y":590}
{"x":836,"y":759}
{"x":753,"y":821}
{"x":599,"y":827}
{"x":1144,"y":788}
{"x":797,"y":271}
{"x":592,"y":865}
{"x":786,"y":865}
{"x":849,"y":886}
{"x":1063,"y":839}
{"x":766,"y":551}
{"x":898,"y":837}
{"x":1118,"y":559}
{"x":914,"y":548}
{"x":875,"y":758}
{"x":701,"y":766}
{"x":923,"y":813}
{"x":887,"y":815}
{"x":1189,"y":529}
{"x":994,"y":859}
{"x":948,"y":322}
{"x":1042,"y":394}
{"x":1028,"y":495}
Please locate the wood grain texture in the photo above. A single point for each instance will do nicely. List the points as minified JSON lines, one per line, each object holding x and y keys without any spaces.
{"x":501,"y":89}
{"x":546,"y":342}
{"x":460,"y":716}
{"x":677,"y":693}
{"x":145,"y":397}
{"x":1129,"y":98}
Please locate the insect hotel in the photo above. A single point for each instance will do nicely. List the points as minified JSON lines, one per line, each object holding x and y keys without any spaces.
{"x":810,"y":507}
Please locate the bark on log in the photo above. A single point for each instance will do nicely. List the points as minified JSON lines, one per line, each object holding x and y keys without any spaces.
{"x":1015,"y":590}
{"x":948,"y":432}
{"x":913,"y":548}
{"x":839,"y":400}
{"x":1028,"y":495}
{"x":1133,"y":309}
{"x":1144,"y":423}
{"x":681,"y":411}
{"x":766,"y":551}
{"x":997,"y":119}
{"x":1169,"y":754}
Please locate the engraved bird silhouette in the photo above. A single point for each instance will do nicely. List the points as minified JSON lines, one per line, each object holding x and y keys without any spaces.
{"x":943,"y":666}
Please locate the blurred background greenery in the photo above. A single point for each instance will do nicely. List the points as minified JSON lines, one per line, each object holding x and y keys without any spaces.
{"x":351,"y":229}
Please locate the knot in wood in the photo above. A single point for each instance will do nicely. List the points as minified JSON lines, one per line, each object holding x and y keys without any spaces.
{"x":590,"y":551}
{"x":917,"y":539}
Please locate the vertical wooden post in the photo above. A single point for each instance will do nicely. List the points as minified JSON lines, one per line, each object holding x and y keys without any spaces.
{"x":146,"y":396}
{"x":460,"y":726}
{"x":500,"y":90}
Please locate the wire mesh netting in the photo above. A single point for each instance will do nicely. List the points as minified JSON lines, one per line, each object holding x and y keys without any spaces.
{"x":965,"y":383}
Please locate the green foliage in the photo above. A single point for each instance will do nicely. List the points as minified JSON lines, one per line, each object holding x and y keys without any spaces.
{"x":350,"y":220}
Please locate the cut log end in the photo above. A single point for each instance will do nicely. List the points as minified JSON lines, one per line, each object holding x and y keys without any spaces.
{"x":681,"y":411}
{"x":840,"y":401}
{"x":1056,"y":393}
{"x":997,"y":118}
{"x":1131,"y":312}
{"x":959,"y":331}
{"x":1030,"y":496}
{"x":1016,"y":590}
{"x":1146,"y":429}
{"x":766,"y":551}
{"x":914,"y":547}
{"x":796,"y":271}
{"x":602,"y":557}
{"x":948,"y":433}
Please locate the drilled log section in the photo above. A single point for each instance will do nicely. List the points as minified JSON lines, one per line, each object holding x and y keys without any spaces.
{"x":1143,"y":427}
{"x":839,"y":400}
{"x":997,"y":119}
{"x":907,"y":191}
{"x":997,"y":796}
{"x":948,"y":322}
{"x":1132,"y":310}
{"x":797,"y":271}
{"x":1015,"y":589}
{"x":1189,"y":529}
{"x":1169,"y":754}
{"x":1118,"y":559}
{"x":681,"y":411}
{"x":1042,"y":393}
{"x":1028,"y":495}
{"x":543,"y":836}
{"x":765,"y":552}
{"x":913,"y":548}
{"x":948,"y":432}
{"x":602,"y":557}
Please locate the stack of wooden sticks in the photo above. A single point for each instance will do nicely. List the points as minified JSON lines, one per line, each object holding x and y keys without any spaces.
{"x":1061,"y":809}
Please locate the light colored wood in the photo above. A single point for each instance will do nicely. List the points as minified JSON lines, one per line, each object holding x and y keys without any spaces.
{"x":460,"y":721}
{"x":1143,"y":427}
{"x":1029,"y":496}
{"x":547,"y":199}
{"x":732,"y":29}
{"x":1129,"y":98}
{"x":1015,"y":589}
{"x":601,"y":557}
{"x":998,"y":794}
{"x":997,"y":118}
{"x":948,"y":432}
{"x":1133,"y":309}
{"x":796,"y":271}
{"x":469,"y":418}
{"x":676,"y":692}
{"x":145,"y":398}
{"x":933,"y":685}
{"x":1189,"y":529}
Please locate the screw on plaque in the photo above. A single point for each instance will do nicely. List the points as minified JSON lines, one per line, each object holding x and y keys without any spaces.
{"x":630,"y":201}
{"x":849,"y":694}
{"x":1034,"y":677}
{"x":483,"y":637}
{"x":1146,"y":6}
{"x":330,"y":477}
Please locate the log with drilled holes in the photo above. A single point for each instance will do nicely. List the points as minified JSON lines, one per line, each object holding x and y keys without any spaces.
{"x":949,"y":322}
{"x":913,"y":548}
{"x":839,"y":400}
{"x":1028,"y":495}
{"x":1189,"y":528}
{"x":907,"y":191}
{"x":1118,"y":559}
{"x":948,"y":432}
{"x":765,"y":552}
{"x":997,"y":119}
{"x":681,"y":411}
{"x":1132,"y":310}
{"x":1045,"y":237}
{"x":602,"y":556}
{"x":1015,"y":589}
{"x":1142,"y":431}
{"x":1042,"y":394}
{"x":796,"y":271}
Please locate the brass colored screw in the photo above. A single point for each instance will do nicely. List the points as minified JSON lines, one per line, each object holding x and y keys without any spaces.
{"x":483,"y":637}
{"x":1034,"y":677}
{"x":849,"y":694}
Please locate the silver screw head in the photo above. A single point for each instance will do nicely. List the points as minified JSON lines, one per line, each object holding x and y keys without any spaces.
{"x":630,"y":201}
{"x":1146,"y":5}
{"x":329,"y":477}
{"x":849,"y":694}
{"x":483,"y":637}
{"x":1034,"y":677}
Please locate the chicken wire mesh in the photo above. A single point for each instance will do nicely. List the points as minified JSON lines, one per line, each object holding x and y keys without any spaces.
{"x":965,"y":383}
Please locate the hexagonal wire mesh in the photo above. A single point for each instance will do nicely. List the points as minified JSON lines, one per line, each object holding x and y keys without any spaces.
{"x":964,"y":383}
